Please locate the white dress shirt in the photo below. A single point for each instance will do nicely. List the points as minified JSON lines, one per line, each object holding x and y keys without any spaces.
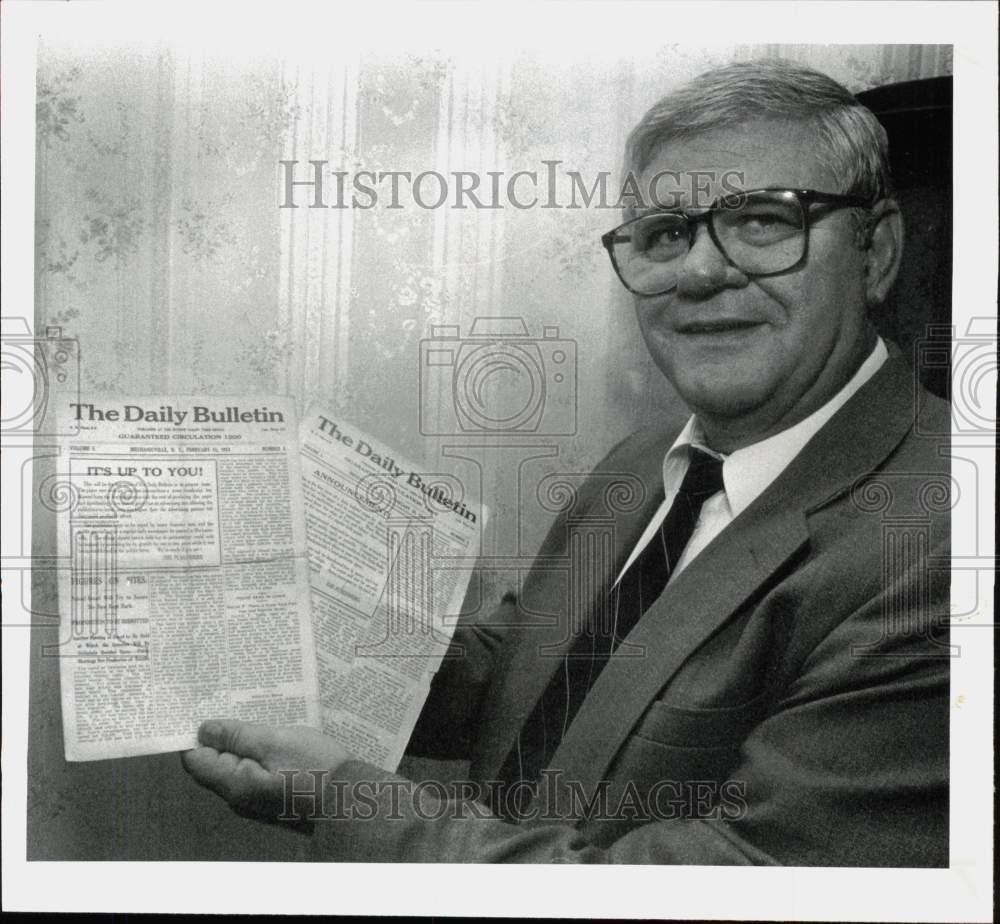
{"x":746,"y":472}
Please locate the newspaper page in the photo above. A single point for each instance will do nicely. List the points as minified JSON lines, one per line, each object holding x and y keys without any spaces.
{"x":186,"y":596}
{"x":391,"y":552}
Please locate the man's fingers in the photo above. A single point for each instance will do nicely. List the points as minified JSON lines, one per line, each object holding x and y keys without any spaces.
{"x":241,"y":738}
{"x":224,"y":773}
{"x":245,"y":763}
{"x":193,"y":760}
{"x":291,"y":747}
{"x":242,"y":782}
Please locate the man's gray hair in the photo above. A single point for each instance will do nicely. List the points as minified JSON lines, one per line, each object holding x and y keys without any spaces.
{"x":853,"y":143}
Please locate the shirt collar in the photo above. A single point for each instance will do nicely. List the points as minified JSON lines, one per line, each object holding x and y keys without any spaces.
{"x":747,"y":472}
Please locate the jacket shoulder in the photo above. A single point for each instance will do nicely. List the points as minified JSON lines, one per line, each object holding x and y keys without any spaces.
{"x":638,"y":444}
{"x":926,"y":445}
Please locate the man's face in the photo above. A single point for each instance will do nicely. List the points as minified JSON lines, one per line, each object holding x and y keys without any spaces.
{"x":761,"y":352}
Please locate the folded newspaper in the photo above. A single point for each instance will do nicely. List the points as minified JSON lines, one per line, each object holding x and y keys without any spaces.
{"x":221,"y":562}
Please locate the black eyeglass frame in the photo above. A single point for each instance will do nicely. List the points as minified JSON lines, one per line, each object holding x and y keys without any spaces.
{"x":695,"y":217}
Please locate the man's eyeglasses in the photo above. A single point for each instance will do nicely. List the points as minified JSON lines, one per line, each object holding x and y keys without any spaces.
{"x":762,"y":232}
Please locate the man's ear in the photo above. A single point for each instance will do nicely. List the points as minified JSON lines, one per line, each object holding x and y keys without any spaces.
{"x":884,"y":249}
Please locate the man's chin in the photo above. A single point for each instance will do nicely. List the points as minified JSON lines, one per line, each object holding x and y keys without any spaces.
{"x":729,"y":401}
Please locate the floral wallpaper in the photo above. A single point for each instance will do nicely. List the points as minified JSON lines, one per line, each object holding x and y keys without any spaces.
{"x":160,"y":244}
{"x":162,"y":248}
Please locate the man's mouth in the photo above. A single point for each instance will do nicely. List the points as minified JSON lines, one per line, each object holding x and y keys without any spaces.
{"x":721,"y":326}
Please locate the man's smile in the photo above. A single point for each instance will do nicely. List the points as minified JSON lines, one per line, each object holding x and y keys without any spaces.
{"x":717,"y":326}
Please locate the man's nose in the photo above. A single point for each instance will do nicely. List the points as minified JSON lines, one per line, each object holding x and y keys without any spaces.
{"x":706,"y":270}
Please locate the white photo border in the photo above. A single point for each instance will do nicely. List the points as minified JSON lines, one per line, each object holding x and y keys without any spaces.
{"x":962,"y":892}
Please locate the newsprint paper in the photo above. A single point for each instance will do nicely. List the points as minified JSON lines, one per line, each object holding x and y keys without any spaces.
{"x":188,"y":595}
{"x":376,"y":523}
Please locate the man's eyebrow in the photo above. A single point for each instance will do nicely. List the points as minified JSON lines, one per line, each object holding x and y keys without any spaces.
{"x":652,"y":209}
{"x":647,"y":210}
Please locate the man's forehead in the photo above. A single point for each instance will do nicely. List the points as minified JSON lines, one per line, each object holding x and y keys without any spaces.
{"x":700,"y":153}
{"x":751,"y":156}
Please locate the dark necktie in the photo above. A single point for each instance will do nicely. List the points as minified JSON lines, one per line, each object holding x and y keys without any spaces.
{"x":637,"y":590}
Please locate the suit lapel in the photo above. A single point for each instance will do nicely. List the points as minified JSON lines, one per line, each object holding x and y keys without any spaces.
{"x":703,"y":596}
{"x":561,"y":600}
{"x":733,"y":566}
{"x":699,"y":600}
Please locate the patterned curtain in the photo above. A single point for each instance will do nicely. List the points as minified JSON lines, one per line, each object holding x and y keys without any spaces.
{"x":160,"y":244}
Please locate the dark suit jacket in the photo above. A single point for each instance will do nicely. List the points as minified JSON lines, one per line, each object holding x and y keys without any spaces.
{"x":784,"y":701}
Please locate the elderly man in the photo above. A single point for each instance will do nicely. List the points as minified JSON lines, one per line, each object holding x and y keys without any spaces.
{"x":761,"y":674}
